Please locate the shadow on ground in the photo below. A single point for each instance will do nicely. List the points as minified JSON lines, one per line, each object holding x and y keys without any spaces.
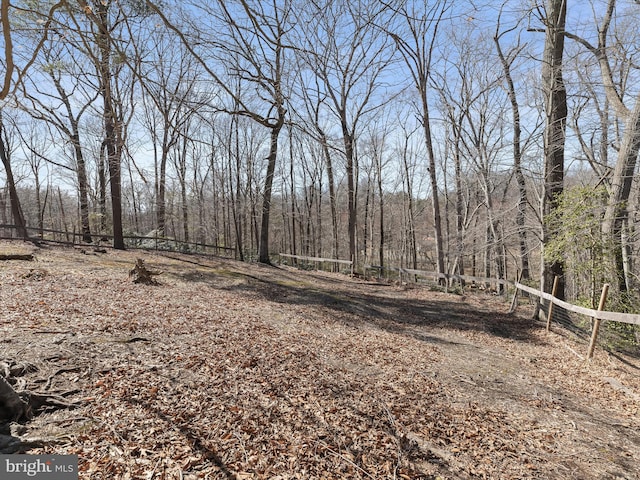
{"x":388,"y":307}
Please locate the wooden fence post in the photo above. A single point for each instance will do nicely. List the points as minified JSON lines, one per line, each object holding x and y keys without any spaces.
{"x":596,"y":321}
{"x":553,"y":294}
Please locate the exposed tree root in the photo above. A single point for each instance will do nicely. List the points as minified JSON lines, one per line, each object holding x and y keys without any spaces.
{"x":17,"y":406}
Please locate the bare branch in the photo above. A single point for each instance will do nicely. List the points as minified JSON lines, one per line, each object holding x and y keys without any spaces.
{"x":9,"y":46}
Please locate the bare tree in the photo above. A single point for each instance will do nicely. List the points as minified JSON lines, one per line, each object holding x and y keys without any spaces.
{"x":311,"y":112}
{"x":61,"y":66}
{"x":348,"y":54}
{"x":169,"y":83}
{"x":506,"y":60}
{"x":34,"y":143}
{"x":10,"y":57}
{"x":181,"y":152}
{"x":408,"y":168}
{"x":94,"y":23}
{"x":5,"y":157}
{"x":378,"y":145}
{"x":238,"y":182}
{"x":416,"y":44}
{"x":250,"y":41}
{"x":12,"y":65}
{"x":371,"y":150}
{"x":482,"y":114}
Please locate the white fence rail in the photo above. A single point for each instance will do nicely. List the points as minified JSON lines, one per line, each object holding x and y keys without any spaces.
{"x":318,"y":259}
{"x":597,"y":315}
{"x":630,"y":318}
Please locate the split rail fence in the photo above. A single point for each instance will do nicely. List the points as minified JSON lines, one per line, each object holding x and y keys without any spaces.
{"x":318,"y":260}
{"x":597,"y":316}
{"x":136,"y":242}
{"x":159,"y":243}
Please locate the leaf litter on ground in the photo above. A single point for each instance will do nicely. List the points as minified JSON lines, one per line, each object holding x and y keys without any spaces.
{"x":235,"y":370}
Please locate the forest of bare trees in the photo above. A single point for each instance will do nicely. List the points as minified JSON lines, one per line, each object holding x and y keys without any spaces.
{"x":495,"y":138}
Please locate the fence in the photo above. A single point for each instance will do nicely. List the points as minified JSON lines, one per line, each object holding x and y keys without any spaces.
{"x":131,"y":241}
{"x":450,"y":278}
{"x":167,"y":244}
{"x":318,"y":260}
{"x":597,"y":316}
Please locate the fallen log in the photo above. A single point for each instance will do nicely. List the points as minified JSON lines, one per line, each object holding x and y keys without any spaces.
{"x":17,"y":256}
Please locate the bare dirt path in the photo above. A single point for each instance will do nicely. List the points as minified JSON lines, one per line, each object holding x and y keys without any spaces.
{"x":232,"y":370}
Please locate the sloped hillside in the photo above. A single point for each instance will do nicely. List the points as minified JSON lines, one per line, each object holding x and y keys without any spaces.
{"x":233,"y":370}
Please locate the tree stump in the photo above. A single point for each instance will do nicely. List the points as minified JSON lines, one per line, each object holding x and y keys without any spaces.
{"x":141,"y":274}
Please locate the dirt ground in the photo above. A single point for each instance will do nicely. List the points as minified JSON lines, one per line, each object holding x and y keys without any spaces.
{"x":240,"y":371}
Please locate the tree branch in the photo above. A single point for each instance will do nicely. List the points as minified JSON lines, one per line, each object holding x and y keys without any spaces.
{"x":8,"y":45}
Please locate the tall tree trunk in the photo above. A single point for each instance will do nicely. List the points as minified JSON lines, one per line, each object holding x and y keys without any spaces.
{"x":381,"y":243}
{"x":408,"y":211}
{"x":365,"y":223}
{"x":102,"y":187}
{"x":459,"y":206}
{"x":161,"y":207}
{"x":83,"y":186}
{"x":617,"y":212}
{"x":517,"y":162}
{"x":433,"y":179}
{"x":181,"y":165}
{"x":555,"y":130}
{"x":135,"y":203}
{"x":3,"y":207}
{"x":332,"y":197}
{"x":411,"y":231}
{"x":202,"y":226}
{"x":319,"y":218}
{"x":63,"y":217}
{"x":351,"y":187}
{"x":16,"y":209}
{"x":110,"y":120}
{"x":263,"y":254}
{"x":39,"y":203}
{"x":494,"y":233}
{"x":235,"y":169}
{"x":81,"y":168}
{"x":294,"y":240}
{"x":488,"y":250}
